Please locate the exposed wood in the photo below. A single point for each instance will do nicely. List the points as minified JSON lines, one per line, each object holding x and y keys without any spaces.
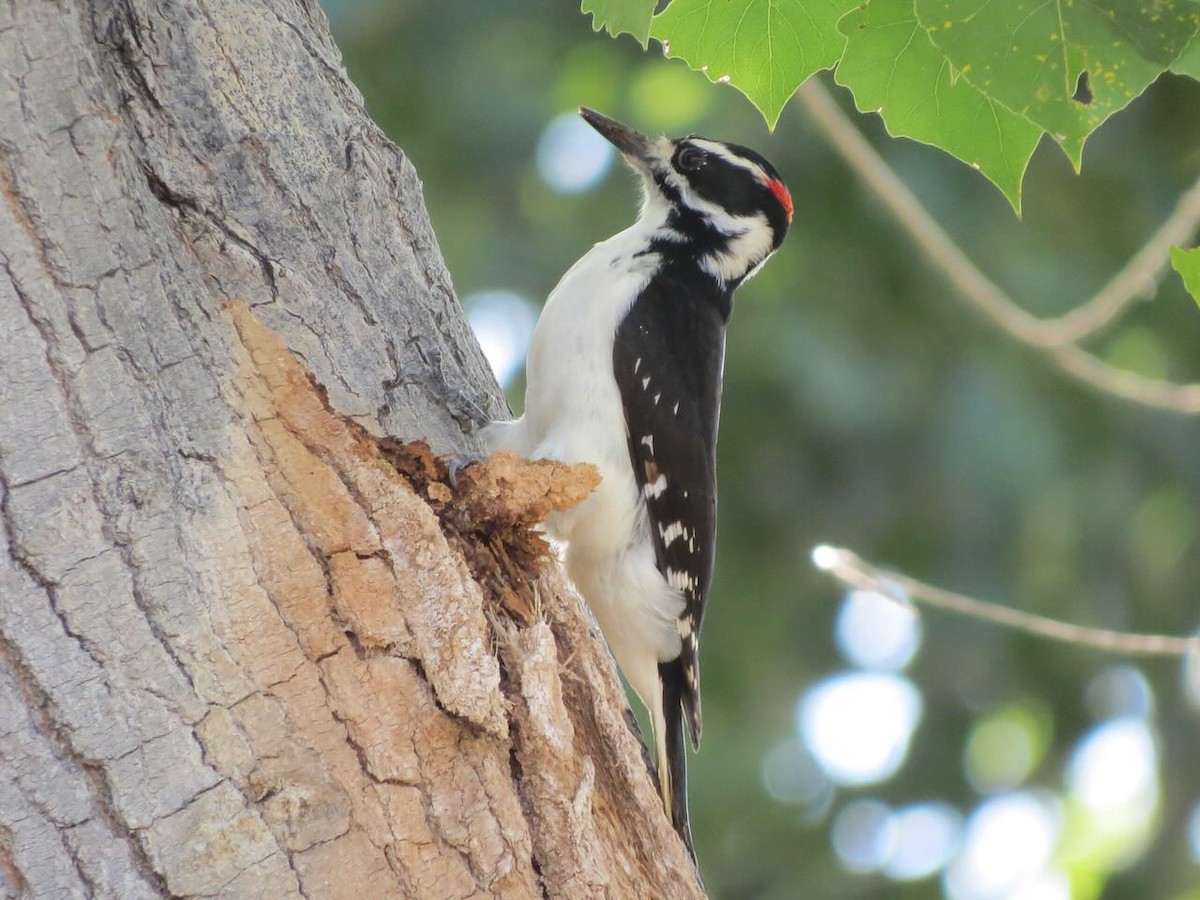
{"x":241,"y":654}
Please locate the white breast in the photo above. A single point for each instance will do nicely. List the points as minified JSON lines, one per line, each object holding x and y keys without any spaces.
{"x":572,"y":404}
{"x":573,"y":413}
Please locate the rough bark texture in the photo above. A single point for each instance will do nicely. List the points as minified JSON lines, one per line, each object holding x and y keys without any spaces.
{"x":241,"y":654}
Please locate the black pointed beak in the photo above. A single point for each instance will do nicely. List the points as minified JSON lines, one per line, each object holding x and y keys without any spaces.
{"x":636,"y":147}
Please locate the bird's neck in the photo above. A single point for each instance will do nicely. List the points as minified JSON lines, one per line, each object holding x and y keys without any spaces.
{"x":686,"y":240}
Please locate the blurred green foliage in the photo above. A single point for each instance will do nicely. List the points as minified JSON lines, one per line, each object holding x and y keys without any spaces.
{"x":865,"y":406}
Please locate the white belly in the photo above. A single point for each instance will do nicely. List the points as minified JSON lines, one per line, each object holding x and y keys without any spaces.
{"x":573,"y":413}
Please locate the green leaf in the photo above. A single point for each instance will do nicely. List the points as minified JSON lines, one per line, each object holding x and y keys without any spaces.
{"x":622,"y":17}
{"x":893,"y":68}
{"x":1187,"y":264}
{"x":1065,"y":64}
{"x":1189,"y":60}
{"x":764,"y":48}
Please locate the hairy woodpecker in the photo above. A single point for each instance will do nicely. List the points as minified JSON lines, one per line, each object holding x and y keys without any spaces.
{"x":625,"y":372}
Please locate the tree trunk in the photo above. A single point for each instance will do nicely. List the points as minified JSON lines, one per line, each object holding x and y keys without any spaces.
{"x":241,"y":654}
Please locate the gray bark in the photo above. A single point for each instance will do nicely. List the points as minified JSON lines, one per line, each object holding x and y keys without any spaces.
{"x":238,"y":655}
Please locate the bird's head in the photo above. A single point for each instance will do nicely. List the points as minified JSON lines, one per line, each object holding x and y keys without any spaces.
{"x":723,"y":196}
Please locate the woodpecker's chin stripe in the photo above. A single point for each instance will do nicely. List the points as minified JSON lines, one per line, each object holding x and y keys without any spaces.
{"x":624,"y":372}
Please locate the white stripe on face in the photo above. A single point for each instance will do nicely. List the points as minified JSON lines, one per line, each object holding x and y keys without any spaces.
{"x":718,"y":149}
{"x":717,"y":216}
{"x":720,"y":219}
{"x":751,"y":236}
{"x":745,"y":253}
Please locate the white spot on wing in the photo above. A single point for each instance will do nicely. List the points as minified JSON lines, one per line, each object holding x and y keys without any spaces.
{"x":637,"y":365}
{"x":681,"y":581}
{"x":648,"y":442}
{"x":671,"y":533}
{"x":654,"y":489}
{"x":645,"y":382}
{"x":657,"y":397}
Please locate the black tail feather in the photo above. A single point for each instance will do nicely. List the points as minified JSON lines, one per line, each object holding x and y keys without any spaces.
{"x":674,"y":692}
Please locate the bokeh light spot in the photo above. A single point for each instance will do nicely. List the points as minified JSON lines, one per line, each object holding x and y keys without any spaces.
{"x":670,"y":96}
{"x":924,"y":838}
{"x":1008,"y":844}
{"x":862,"y":836}
{"x":571,"y":155}
{"x":592,"y":74}
{"x":791,"y":776}
{"x":1120,"y":691}
{"x":1194,"y":833}
{"x":1049,"y":885}
{"x":1005,"y":746}
{"x":1115,"y":765}
{"x":877,"y":632}
{"x":858,"y":725}
{"x":503,"y":323}
{"x":1190,"y":673}
{"x":1162,"y":529}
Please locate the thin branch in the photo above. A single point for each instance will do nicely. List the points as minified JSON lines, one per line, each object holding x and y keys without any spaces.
{"x":1164,"y":395}
{"x":1053,"y":337}
{"x":1135,"y":280}
{"x":853,"y":571}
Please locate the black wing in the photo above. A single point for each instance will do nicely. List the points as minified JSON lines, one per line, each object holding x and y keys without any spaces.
{"x":667,"y":360}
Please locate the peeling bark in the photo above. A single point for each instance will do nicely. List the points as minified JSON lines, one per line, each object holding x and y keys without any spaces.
{"x":246,"y":648}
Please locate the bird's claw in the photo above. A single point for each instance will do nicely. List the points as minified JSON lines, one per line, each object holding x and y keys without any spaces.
{"x":459,"y":461}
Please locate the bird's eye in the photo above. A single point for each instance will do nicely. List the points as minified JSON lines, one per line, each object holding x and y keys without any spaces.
{"x":691,"y":159}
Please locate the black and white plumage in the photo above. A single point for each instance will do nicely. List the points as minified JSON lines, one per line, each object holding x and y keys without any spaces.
{"x":624,"y":372}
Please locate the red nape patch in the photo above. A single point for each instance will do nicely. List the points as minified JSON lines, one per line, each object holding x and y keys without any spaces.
{"x":779,"y":189}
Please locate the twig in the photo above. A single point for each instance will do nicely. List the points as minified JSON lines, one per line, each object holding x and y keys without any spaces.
{"x":1165,"y":395}
{"x":1140,"y":273}
{"x":1054,"y":337}
{"x":851,"y":570}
